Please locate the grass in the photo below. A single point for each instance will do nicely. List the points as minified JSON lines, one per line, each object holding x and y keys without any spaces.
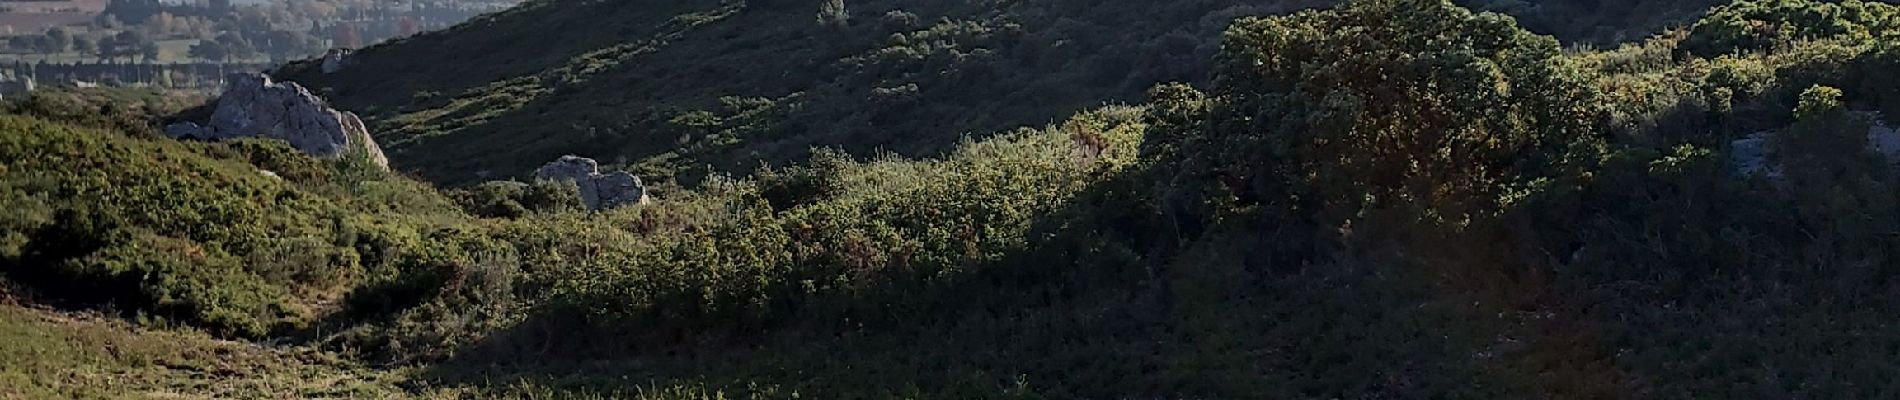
{"x":53,"y":354}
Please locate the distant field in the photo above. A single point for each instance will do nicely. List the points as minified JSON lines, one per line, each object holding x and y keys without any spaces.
{"x":90,"y":6}
{"x":170,"y":51}
{"x":17,"y":22}
{"x":36,"y":16}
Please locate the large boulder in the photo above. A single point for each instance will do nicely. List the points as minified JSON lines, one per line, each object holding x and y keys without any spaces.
{"x":598,"y":191}
{"x":255,"y":106}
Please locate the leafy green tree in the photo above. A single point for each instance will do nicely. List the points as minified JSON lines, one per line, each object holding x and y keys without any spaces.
{"x":1818,"y":102}
{"x":210,"y":50}
{"x":126,"y":44}
{"x":21,"y":43}
{"x":85,"y":45}
{"x":1760,"y":25}
{"x":149,"y":51}
{"x":132,"y":11}
{"x":237,"y":46}
{"x":58,"y":39}
{"x":1835,"y":182}
{"x":1377,"y":104}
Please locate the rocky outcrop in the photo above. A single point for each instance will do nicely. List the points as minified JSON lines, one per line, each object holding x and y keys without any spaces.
{"x":1753,"y":155}
{"x":254,"y":106}
{"x":598,"y":191}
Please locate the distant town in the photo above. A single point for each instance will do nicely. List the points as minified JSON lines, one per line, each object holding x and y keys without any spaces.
{"x":193,"y":44}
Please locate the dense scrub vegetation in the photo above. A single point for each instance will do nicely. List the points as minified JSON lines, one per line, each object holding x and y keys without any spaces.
{"x":672,"y":87}
{"x":1387,"y":198}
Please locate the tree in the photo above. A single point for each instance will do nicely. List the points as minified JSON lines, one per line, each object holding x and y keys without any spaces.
{"x":149,"y":51}
{"x":1829,"y":171}
{"x":84,"y":45}
{"x":20,"y":43}
{"x":210,"y":50}
{"x":1378,"y":105}
{"x":832,"y":13}
{"x":237,"y":46}
{"x":132,"y":11}
{"x":126,"y":44}
{"x":44,"y":45}
{"x":1759,"y":25}
{"x":58,"y":39}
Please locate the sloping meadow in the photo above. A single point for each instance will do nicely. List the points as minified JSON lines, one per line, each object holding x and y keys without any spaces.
{"x":1391,"y":198}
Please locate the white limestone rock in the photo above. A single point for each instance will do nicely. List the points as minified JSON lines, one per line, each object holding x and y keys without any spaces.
{"x":598,"y":191}
{"x":255,"y":106}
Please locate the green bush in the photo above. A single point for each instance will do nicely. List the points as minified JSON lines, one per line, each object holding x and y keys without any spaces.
{"x":194,"y":233}
{"x":274,"y":156}
{"x":181,"y":281}
{"x":1763,"y":25}
{"x":507,"y":199}
{"x":1380,"y":104}
{"x":804,"y":184}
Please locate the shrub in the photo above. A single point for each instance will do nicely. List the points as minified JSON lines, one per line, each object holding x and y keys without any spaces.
{"x":898,"y":21}
{"x":275,"y":156}
{"x":1762,"y":25}
{"x":179,"y":280}
{"x":193,"y":233}
{"x":805,"y":184}
{"x":1381,"y":104}
{"x":506,"y":199}
{"x":832,"y":13}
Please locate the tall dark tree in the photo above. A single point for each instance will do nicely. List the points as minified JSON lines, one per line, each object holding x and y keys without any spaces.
{"x":132,"y":11}
{"x":58,"y":39}
{"x":210,"y":50}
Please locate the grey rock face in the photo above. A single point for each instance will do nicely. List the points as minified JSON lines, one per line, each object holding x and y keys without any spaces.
{"x":254,"y":106}
{"x":598,"y":191}
{"x":1885,"y":140}
{"x":1752,"y":155}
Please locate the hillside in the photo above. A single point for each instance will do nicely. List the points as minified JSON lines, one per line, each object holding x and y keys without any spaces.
{"x":1382,"y":199}
{"x":673,"y":87}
